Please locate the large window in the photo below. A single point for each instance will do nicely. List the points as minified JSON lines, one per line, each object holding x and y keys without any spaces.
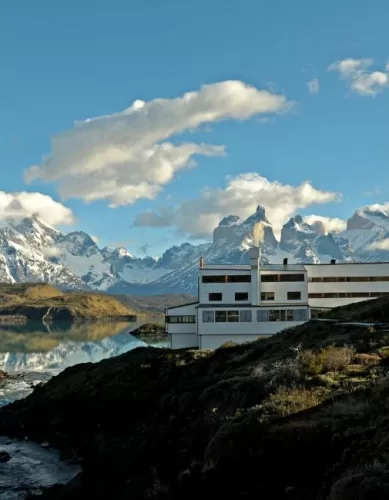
{"x":291,"y":277}
{"x":241,"y":296}
{"x":233,"y":316}
{"x":264,"y":315}
{"x":220,"y":316}
{"x":245,"y":316}
{"x":343,"y":295}
{"x":231,"y":278}
{"x":267,"y":295}
{"x":208,"y":316}
{"x":294,"y":295}
{"x":242,"y":278}
{"x":349,"y":279}
{"x":300,"y":315}
{"x":181,"y":319}
{"x":269,"y":278}
{"x":215,"y":297}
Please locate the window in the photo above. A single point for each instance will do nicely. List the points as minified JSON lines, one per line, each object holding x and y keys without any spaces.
{"x":294,"y":295}
{"x":234,"y":278}
{"x":291,"y":277}
{"x":214,"y":279}
{"x":233,"y":316}
{"x":267,"y":295}
{"x":300,"y":315}
{"x":241,"y":296}
{"x":208,"y":316}
{"x":269,"y":278}
{"x":245,"y":316}
{"x":315,"y":295}
{"x":181,"y":319}
{"x":289,"y":315}
{"x":316,"y":280}
{"x":220,"y":316}
{"x":262,"y":315}
{"x":215,"y":297}
{"x":274,"y":315}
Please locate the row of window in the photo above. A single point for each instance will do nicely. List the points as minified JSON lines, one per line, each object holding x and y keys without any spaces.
{"x":181,"y":319}
{"x":348,"y":279}
{"x":346,"y":295}
{"x":239,"y":296}
{"x":263,"y":315}
{"x":246,"y":278}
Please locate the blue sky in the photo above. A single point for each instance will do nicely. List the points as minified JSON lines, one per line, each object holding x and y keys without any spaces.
{"x":63,"y":62}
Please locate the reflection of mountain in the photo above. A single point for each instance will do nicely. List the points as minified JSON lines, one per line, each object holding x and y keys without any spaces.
{"x":68,"y":353}
{"x":35,"y":337}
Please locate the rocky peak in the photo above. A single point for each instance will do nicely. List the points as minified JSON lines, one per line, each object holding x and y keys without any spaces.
{"x":295,"y":232}
{"x":258,"y":216}
{"x":230,"y":220}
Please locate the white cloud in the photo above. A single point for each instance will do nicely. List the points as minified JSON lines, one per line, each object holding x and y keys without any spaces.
{"x":358,"y":73}
{"x":243,"y":193}
{"x":95,"y":239}
{"x":330,"y":224}
{"x":313,"y":86}
{"x":127,"y":155}
{"x":51,"y":252}
{"x":24,"y":204}
{"x":380,"y":245}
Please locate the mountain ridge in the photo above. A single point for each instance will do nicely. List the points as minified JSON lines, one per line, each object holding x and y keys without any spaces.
{"x":33,"y":251}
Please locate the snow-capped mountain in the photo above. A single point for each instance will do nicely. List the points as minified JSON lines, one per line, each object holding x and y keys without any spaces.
{"x":31,"y":250}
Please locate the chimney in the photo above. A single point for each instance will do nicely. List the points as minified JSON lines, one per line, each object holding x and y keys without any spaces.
{"x":285,"y":262}
{"x":333,"y":261}
{"x":201,"y":262}
{"x":254,"y":256}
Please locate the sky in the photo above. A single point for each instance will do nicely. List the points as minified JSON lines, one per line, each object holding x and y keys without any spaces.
{"x":145,"y":122}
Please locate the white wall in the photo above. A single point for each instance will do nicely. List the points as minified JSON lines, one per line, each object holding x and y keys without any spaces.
{"x":181,"y":341}
{"x":345,"y":270}
{"x":227,"y":289}
{"x":186,"y":328}
{"x":281,"y":290}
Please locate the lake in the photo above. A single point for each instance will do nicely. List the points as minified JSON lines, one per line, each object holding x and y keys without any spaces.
{"x":37,"y":352}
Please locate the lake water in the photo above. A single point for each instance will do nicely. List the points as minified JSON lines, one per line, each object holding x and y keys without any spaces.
{"x":36,"y":353}
{"x":33,"y":354}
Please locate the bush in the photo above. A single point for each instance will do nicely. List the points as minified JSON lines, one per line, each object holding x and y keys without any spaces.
{"x":367,"y":359}
{"x":329,"y":359}
{"x":286,"y":373}
{"x":288,"y":400}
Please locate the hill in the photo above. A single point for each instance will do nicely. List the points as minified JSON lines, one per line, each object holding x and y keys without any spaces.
{"x":154,"y":303}
{"x":39,"y":301}
{"x":300,"y":415}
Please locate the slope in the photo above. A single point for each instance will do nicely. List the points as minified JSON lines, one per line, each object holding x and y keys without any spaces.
{"x":37,"y":302}
{"x":250,"y":421}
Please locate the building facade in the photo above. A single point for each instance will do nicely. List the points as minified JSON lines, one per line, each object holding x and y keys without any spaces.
{"x":245,"y":302}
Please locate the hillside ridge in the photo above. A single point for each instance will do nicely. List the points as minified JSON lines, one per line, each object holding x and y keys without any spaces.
{"x":154,"y":423}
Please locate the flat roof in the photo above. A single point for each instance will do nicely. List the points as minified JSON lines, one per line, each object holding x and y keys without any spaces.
{"x":225,"y":267}
{"x":182,"y":305}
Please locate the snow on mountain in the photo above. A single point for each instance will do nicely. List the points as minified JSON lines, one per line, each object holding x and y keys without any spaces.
{"x":31,"y":250}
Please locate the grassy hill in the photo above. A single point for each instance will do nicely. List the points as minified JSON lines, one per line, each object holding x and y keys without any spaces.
{"x":36,"y":301}
{"x":154,"y":303}
{"x":254,"y":421}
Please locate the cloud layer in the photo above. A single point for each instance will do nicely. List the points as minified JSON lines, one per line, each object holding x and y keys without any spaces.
{"x":330,"y":224}
{"x":127,"y":155}
{"x":24,"y":204}
{"x":360,"y":77}
{"x":198,"y":217}
{"x":380,"y":245}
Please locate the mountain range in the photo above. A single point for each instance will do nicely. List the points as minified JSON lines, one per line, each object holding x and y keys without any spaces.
{"x":33,"y":251}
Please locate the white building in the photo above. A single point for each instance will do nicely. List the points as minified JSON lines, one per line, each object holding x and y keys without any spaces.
{"x":244,"y":302}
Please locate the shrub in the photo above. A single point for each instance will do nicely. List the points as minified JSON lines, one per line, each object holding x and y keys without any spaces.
{"x":329,"y":359}
{"x":288,"y":400}
{"x":367,"y":359}
{"x":286,"y":373}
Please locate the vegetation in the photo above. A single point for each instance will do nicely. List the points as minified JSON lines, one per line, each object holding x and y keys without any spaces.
{"x":37,"y":301}
{"x":154,"y":303}
{"x":300,"y":415}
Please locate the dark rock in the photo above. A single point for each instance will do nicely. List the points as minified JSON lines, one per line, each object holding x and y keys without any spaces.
{"x":4,"y":457}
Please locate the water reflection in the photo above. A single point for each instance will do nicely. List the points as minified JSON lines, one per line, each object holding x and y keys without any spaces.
{"x":39,"y":354}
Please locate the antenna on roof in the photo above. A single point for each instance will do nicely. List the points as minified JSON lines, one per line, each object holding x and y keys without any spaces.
{"x":285,"y":262}
{"x":333,"y":261}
